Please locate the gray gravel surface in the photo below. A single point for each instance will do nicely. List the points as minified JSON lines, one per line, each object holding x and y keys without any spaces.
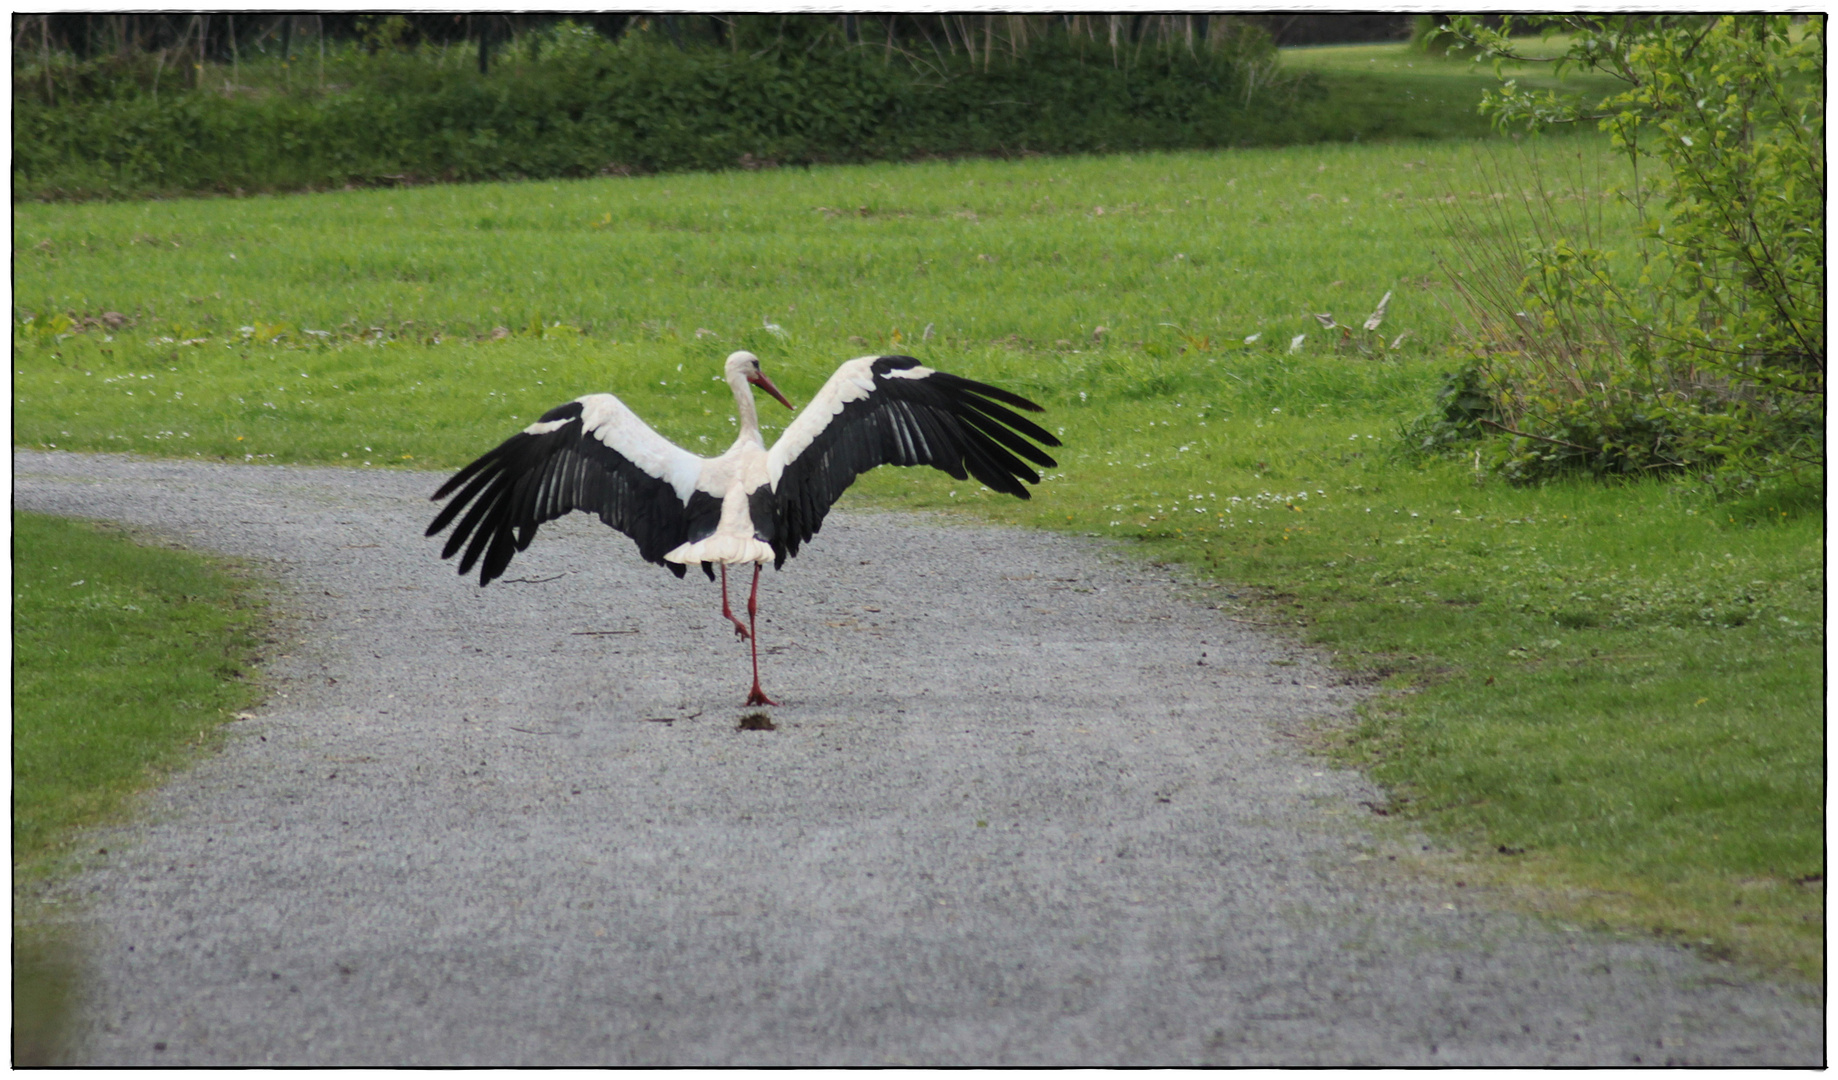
{"x":1007,"y":817}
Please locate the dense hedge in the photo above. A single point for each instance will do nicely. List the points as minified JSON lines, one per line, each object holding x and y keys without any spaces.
{"x":635,"y":106}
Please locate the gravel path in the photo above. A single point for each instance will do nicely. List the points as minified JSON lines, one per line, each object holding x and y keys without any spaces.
{"x":1007,"y":817}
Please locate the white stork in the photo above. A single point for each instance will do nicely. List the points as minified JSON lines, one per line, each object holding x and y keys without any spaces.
{"x":750,"y":504}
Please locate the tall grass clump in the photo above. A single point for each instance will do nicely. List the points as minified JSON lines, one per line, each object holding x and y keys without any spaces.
{"x":1670,"y":321}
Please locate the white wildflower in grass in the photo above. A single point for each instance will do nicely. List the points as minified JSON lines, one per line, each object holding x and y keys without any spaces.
{"x":1253,"y":338}
{"x":1295,"y":343}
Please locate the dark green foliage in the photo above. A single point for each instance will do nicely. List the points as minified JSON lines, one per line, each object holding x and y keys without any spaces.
{"x":1462,"y":405}
{"x":1693,"y":341}
{"x":590,"y":106}
{"x":1632,"y":429}
{"x":1629,"y":426}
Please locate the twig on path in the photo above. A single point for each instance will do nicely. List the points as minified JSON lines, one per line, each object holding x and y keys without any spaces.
{"x":666,"y":719}
{"x":532,"y":581}
{"x":597,"y":633}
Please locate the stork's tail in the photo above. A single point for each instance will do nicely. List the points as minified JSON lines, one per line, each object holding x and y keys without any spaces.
{"x":727,"y":550}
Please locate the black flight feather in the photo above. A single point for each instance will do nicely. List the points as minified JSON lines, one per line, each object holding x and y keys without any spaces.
{"x":531,"y":478}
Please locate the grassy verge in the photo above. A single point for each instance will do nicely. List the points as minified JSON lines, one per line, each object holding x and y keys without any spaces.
{"x":45,"y":970}
{"x":1609,"y":695}
{"x":125,"y":659}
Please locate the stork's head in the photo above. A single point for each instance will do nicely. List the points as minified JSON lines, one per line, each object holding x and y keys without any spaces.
{"x":745,"y":365}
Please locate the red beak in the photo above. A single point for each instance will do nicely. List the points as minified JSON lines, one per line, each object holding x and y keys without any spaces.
{"x":759,"y":379}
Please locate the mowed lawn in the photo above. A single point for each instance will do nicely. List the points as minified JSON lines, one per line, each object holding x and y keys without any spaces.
{"x":125,"y":656}
{"x":1606,"y":698}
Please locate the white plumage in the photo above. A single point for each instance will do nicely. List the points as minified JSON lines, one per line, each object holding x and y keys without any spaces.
{"x":750,"y":504}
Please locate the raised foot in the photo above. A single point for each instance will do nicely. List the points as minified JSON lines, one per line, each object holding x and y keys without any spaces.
{"x":740,"y":629}
{"x":758,"y":697}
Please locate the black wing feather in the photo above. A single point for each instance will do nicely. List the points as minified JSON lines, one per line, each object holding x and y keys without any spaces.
{"x":957,"y":425}
{"x":533,"y":478}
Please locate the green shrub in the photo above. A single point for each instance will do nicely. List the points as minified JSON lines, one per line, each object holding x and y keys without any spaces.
{"x":575,"y":104}
{"x":1463,"y":403}
{"x":1691,"y":339}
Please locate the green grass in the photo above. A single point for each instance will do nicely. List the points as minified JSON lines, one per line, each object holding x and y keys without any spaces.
{"x":1621,"y":681}
{"x":45,"y":992}
{"x":125,"y":657}
{"x":1168,"y":252}
{"x":1394,"y":91}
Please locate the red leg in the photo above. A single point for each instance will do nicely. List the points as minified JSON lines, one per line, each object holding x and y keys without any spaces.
{"x":758,"y":696}
{"x":740,"y":630}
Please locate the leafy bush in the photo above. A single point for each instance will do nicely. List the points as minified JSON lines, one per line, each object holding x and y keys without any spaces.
{"x":1463,"y":402}
{"x":571,"y":103}
{"x":1695,"y":341}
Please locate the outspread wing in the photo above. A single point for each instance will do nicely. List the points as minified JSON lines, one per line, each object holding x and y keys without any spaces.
{"x":891,"y":410}
{"x":591,"y":454}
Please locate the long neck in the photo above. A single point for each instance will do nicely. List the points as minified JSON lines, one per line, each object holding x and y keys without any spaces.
{"x":745,"y":409}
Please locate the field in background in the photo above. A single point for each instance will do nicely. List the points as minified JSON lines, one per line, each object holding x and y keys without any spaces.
{"x":1607,"y":696}
{"x":1122,"y":271}
{"x":1394,"y":91}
